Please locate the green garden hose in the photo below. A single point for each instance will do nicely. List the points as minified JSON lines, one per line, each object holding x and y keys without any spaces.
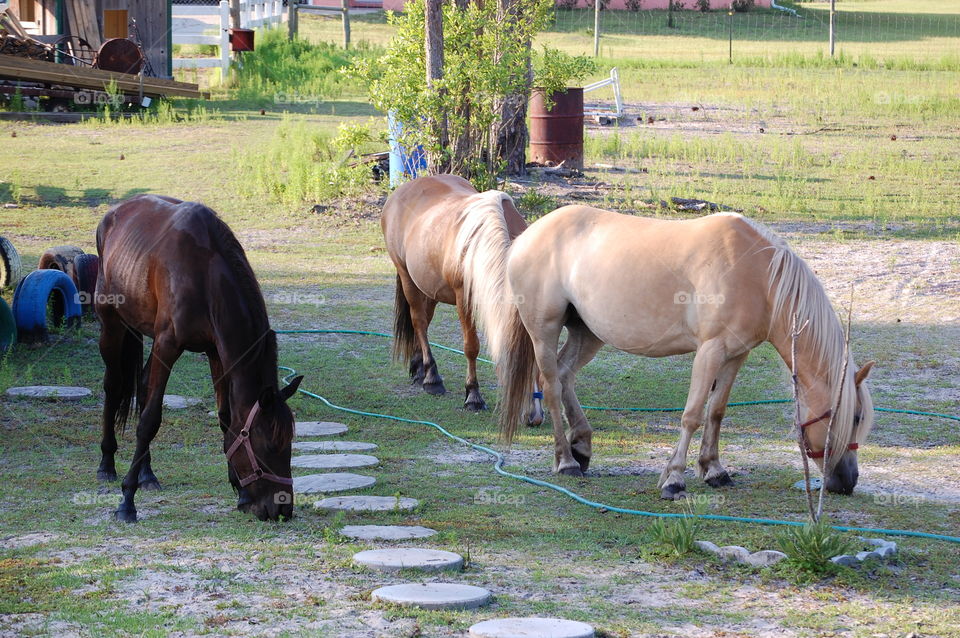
{"x":499,"y":460}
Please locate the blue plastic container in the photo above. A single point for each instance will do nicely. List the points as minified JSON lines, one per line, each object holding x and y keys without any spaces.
{"x":405,"y":163}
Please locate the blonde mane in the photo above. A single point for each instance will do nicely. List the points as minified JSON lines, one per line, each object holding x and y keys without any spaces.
{"x":795,"y":290}
{"x":482,"y":243}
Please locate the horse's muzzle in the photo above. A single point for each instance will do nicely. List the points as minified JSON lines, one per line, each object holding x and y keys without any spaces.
{"x":844,"y":476}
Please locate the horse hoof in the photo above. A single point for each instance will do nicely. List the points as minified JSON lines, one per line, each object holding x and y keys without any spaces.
{"x":150,"y":485}
{"x":582,"y":459}
{"x":106,"y":476}
{"x":571,"y":471}
{"x":126,"y":516}
{"x":720,"y":480}
{"x":673,"y":492}
{"x":435,"y":389}
{"x":534,"y":421}
{"x":475,"y":406}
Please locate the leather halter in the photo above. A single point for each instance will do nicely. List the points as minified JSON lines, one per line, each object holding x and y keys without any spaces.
{"x":243,"y":439}
{"x":803,"y":426}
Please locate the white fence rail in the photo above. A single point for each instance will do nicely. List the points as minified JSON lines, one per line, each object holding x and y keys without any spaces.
{"x":193,"y":24}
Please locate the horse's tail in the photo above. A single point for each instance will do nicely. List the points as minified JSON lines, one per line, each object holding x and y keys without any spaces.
{"x":483,"y":244}
{"x":516,"y":368}
{"x":131,"y":367}
{"x":404,"y":342}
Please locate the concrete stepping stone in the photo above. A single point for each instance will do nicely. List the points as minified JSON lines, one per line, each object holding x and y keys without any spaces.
{"x":531,"y":628}
{"x":366,"y":503}
{"x":386,"y":532}
{"x":330,"y":482}
{"x":177,"y":402}
{"x":319,"y":428}
{"x":333,"y":446}
{"x":49,"y":392}
{"x":433,"y":595}
{"x":397,"y":558}
{"x":333,"y":461}
{"x":815,"y":482}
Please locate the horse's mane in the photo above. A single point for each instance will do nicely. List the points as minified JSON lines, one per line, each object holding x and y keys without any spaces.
{"x":264,"y":350}
{"x":796,"y":291}
{"x":482,"y":244}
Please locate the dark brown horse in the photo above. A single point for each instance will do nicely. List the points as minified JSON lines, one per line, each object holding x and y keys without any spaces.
{"x":174,"y":271}
{"x":449,"y":244}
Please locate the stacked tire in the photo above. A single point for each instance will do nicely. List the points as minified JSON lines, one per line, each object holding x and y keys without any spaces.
{"x":10,"y":265}
{"x":10,"y":268}
{"x":40,"y":293}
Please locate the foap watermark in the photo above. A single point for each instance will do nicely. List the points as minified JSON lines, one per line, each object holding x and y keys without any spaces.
{"x":295,"y":97}
{"x":97,"y":98}
{"x":111,"y":499}
{"x":706,"y":500}
{"x":497,"y":496}
{"x":83,"y":298}
{"x":897,"y":500}
{"x":296,"y":298}
{"x":684,"y":298}
{"x":283,"y":498}
{"x":885,"y":97}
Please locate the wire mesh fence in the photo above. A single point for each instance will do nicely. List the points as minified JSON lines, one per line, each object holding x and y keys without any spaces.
{"x":715,"y":34}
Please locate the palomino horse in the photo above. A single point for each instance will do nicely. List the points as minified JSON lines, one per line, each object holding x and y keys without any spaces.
{"x":448,"y":244}
{"x":173,"y":271}
{"x":719,"y":285}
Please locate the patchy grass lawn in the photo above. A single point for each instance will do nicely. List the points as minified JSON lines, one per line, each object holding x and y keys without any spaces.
{"x":193,"y":565}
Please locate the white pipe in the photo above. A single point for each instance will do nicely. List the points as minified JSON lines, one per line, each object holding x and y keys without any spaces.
{"x":774,"y":5}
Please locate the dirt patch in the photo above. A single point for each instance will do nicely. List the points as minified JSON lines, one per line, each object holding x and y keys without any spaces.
{"x":27,"y":540}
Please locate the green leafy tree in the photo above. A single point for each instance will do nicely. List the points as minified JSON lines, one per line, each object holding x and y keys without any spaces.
{"x":482,"y":93}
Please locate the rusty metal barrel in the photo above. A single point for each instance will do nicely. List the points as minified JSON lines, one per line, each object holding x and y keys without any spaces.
{"x":556,"y":135}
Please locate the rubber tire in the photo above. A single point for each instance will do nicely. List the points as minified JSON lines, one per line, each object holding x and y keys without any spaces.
{"x":8,"y":327}
{"x":10,"y":265}
{"x":30,"y":304}
{"x":60,"y":258}
{"x":86,"y":268}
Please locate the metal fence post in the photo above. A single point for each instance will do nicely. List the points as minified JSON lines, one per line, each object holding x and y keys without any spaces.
{"x":833,"y":13}
{"x":596,"y":28}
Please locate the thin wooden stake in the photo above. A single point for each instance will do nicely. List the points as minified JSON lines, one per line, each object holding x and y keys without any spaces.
{"x":794,"y":335}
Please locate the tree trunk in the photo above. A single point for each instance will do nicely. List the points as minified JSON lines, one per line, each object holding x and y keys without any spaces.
{"x":437,"y":158}
{"x":512,"y":135}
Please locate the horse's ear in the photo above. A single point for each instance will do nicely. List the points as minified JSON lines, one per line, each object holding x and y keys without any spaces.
{"x":863,"y":372}
{"x":291,"y":388}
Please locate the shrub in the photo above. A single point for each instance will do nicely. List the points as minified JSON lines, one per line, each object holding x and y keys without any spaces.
{"x":810,"y":548}
{"x":635,"y":5}
{"x":676,"y":535}
{"x":741,"y":6}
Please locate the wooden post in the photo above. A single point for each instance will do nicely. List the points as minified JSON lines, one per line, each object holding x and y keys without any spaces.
{"x":226,"y":16}
{"x":596,"y":28}
{"x":833,"y":14}
{"x":345,"y":8}
{"x":434,"y":54}
{"x":293,"y":14}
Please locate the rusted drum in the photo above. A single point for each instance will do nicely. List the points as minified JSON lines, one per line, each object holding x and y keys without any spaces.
{"x":120,"y":55}
{"x":556,"y":136}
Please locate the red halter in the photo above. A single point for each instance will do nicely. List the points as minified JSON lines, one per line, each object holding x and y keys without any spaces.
{"x":819,"y":455}
{"x":244,"y":439}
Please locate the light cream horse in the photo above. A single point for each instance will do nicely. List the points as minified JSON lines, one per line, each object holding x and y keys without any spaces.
{"x":718,"y":285}
{"x":440,"y":233}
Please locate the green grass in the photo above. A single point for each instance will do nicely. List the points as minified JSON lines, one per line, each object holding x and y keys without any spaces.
{"x":826,"y":131}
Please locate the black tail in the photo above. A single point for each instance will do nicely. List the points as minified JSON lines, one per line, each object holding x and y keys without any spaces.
{"x":404,"y":341}
{"x":131,"y":365}
{"x":516,"y":367}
